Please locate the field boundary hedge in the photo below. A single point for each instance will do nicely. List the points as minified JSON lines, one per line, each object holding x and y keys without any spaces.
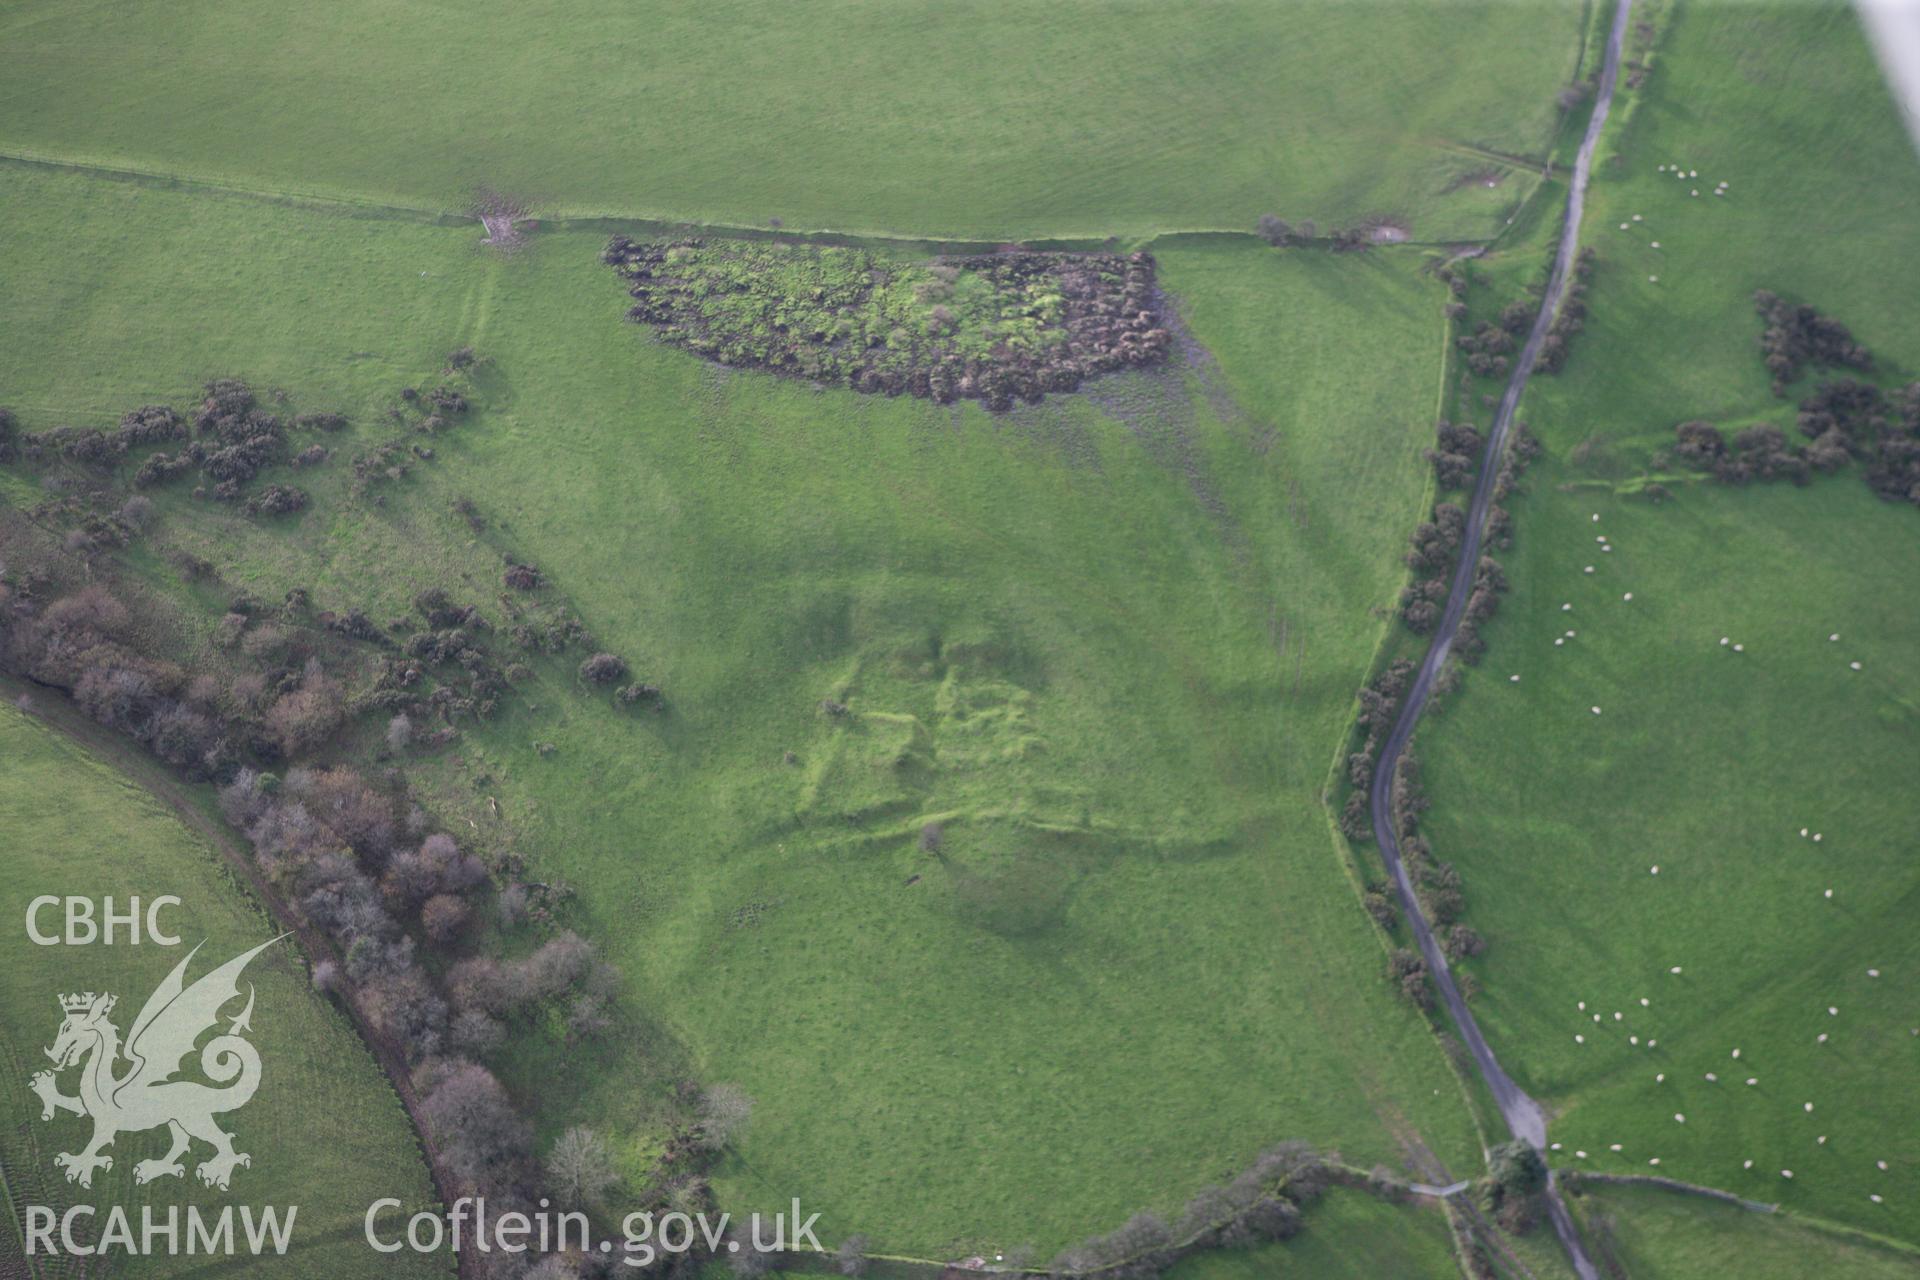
{"x":609,"y":223}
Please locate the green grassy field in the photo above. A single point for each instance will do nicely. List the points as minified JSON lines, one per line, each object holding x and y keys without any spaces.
{"x":1706,"y":761}
{"x":1110,"y":642}
{"x":1663,"y":1236}
{"x":1349,"y":1234}
{"x":1014,"y":119}
{"x":107,"y":836}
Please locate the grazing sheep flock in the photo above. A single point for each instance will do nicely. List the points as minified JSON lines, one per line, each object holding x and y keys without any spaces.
{"x":1759,"y":1108}
{"x":1736,"y":1053}
{"x":1634,"y":1037}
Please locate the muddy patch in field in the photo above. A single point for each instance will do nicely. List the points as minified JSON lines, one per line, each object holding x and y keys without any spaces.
{"x":1160,"y":408}
{"x":506,"y":219}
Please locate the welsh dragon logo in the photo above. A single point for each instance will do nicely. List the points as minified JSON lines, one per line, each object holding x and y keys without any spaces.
{"x":145,"y":1095}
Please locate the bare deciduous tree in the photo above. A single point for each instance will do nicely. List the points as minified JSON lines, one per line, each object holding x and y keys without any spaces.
{"x":581,"y":1167}
{"x":724,"y":1112}
{"x":851,"y":1257}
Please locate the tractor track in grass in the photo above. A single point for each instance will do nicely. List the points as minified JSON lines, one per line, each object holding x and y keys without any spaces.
{"x":1523,"y":1115}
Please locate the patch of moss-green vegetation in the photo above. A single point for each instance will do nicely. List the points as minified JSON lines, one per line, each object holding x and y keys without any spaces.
{"x":995,"y":328}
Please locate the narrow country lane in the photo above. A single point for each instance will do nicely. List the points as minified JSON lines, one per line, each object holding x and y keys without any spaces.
{"x":1523,"y":1115}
